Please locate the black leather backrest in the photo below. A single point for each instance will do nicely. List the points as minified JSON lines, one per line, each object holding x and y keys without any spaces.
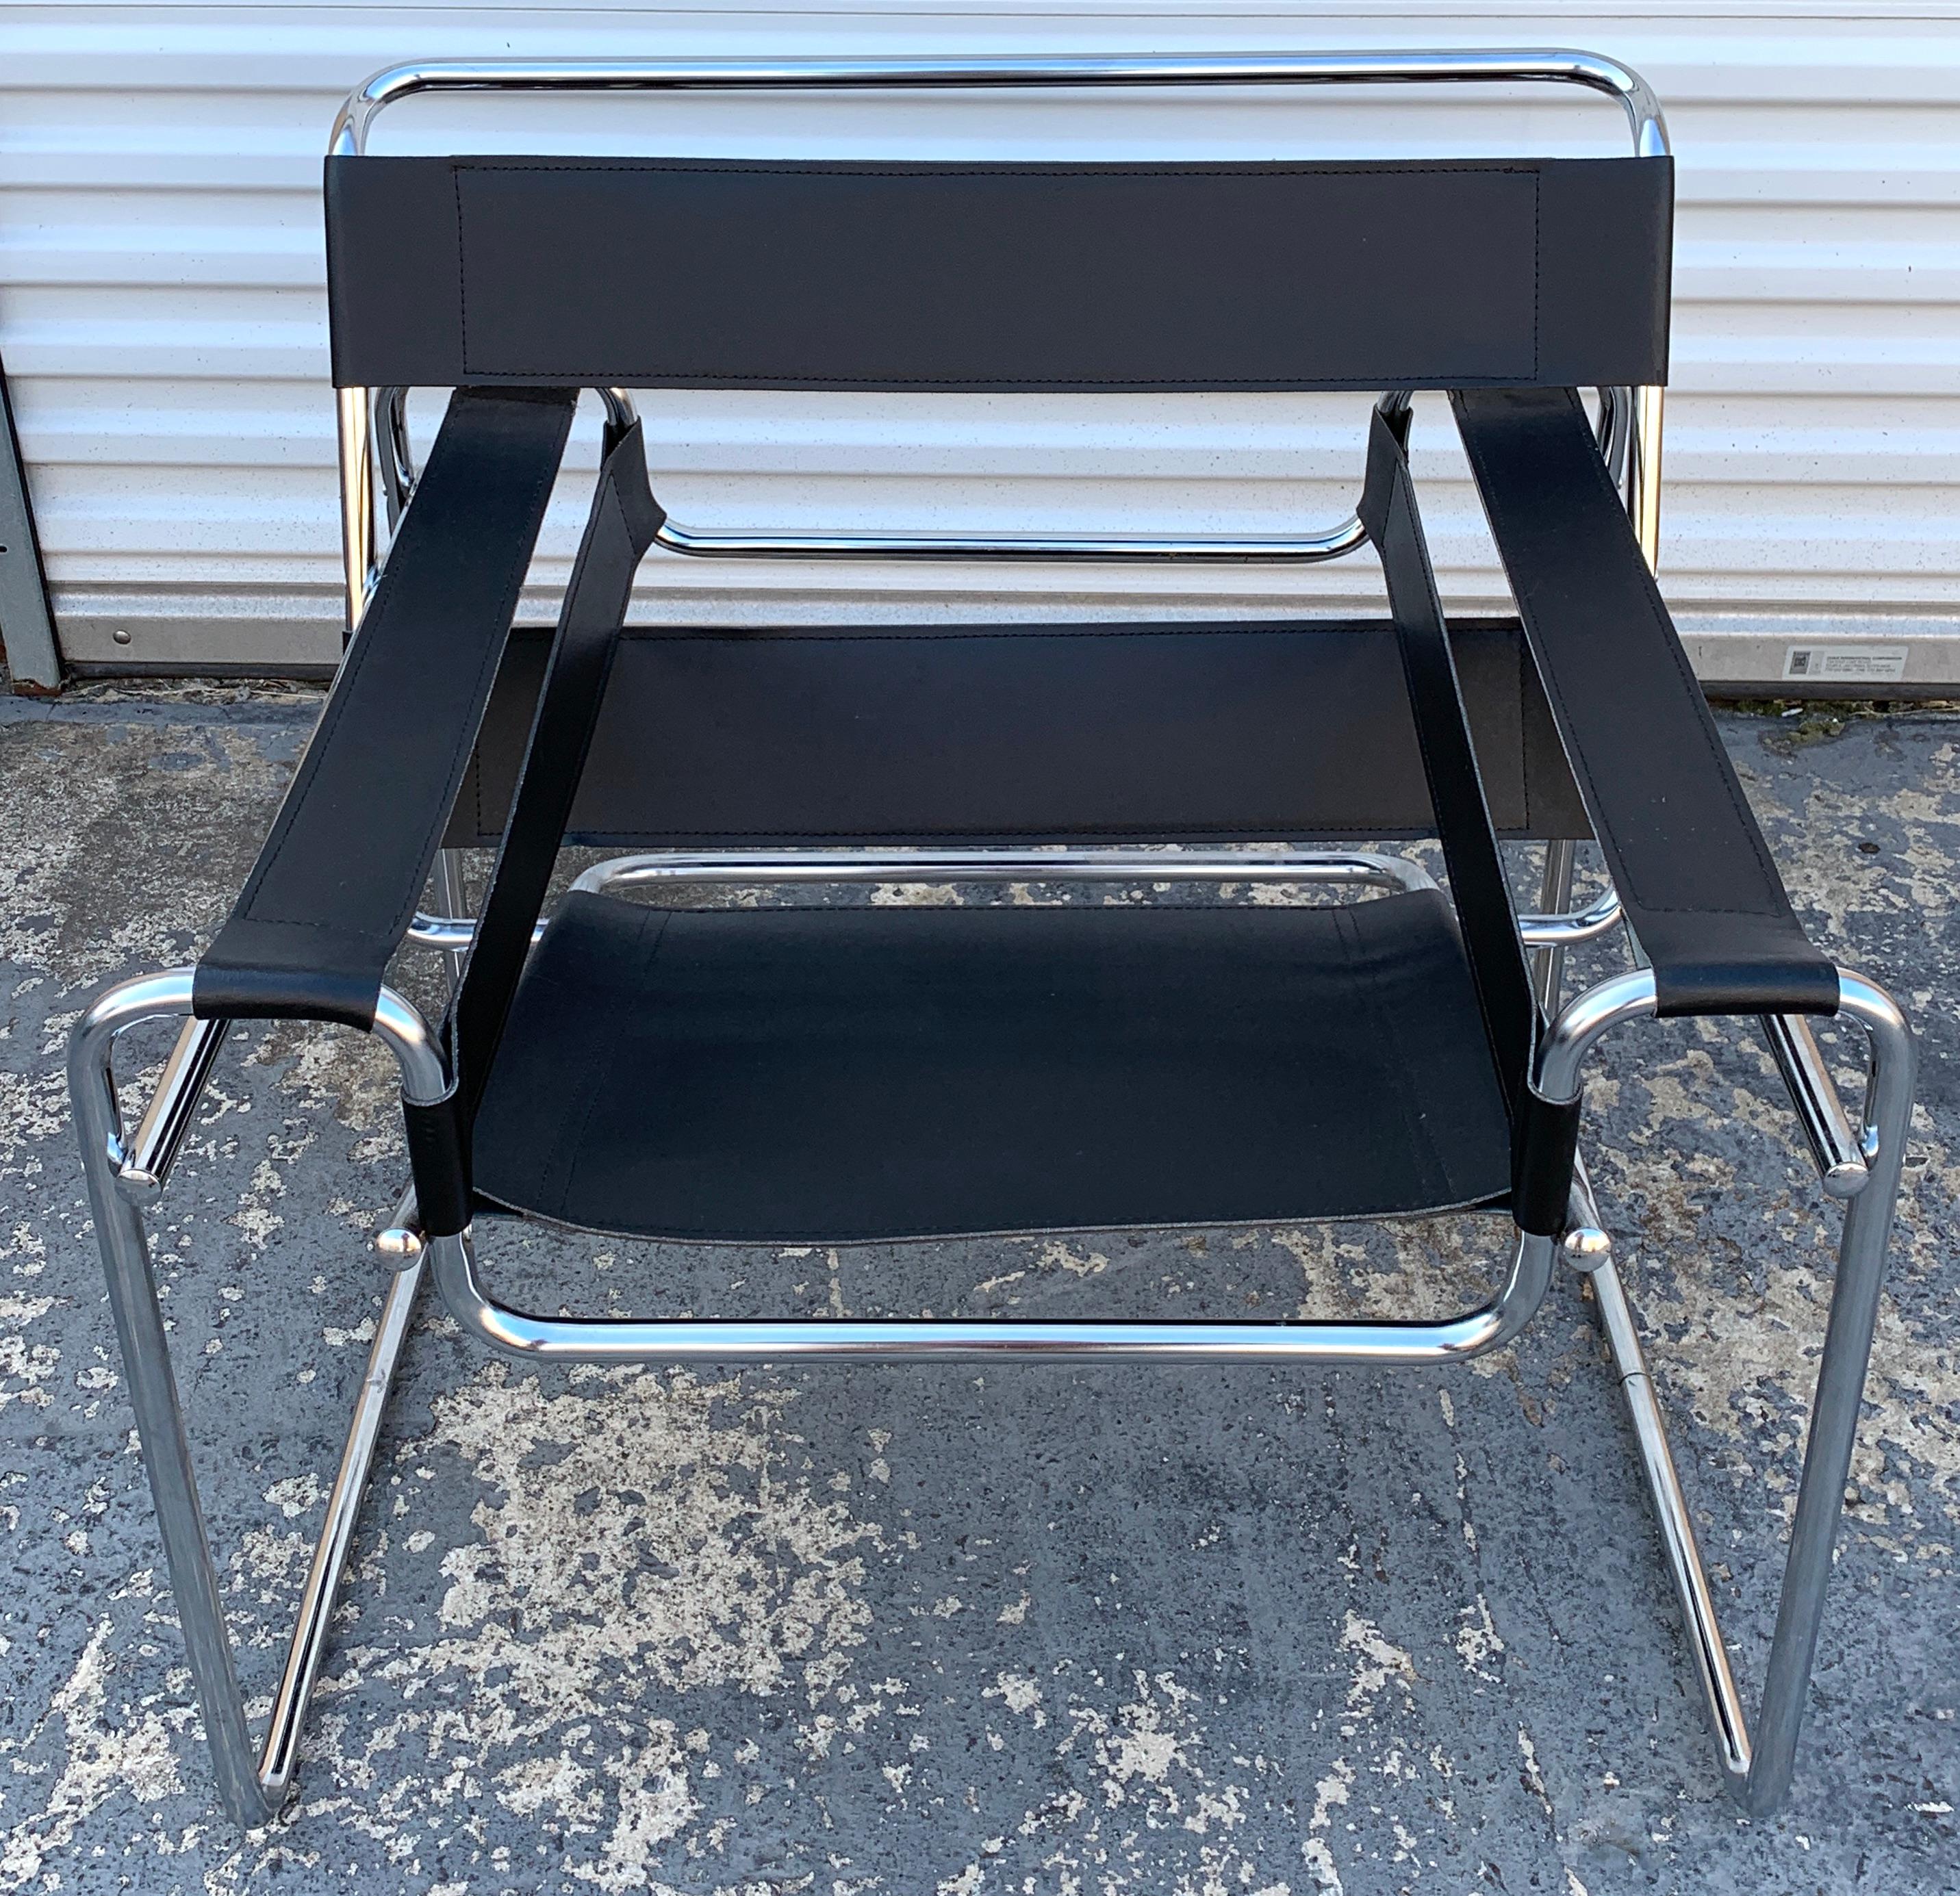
{"x":827,"y":734}
{"x":696,"y":273}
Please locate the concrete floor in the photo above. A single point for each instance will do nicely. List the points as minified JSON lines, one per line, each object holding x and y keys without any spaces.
{"x":1203,"y":1632}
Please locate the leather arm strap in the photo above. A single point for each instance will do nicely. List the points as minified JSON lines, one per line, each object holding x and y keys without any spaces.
{"x":337,"y":881}
{"x":1696,"y":878}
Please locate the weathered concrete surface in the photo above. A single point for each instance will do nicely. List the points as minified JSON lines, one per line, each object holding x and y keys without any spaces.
{"x":1204,"y":1631}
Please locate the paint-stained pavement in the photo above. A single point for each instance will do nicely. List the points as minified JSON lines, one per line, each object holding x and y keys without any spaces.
{"x":1191,"y":1632}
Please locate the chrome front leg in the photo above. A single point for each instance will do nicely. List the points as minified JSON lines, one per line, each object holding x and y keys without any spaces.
{"x":253,"y":1783}
{"x":1759,"y":1770}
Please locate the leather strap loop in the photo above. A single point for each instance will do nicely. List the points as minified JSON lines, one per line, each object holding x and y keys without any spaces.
{"x":1700,"y":889}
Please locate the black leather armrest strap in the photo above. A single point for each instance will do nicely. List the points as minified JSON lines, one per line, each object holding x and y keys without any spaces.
{"x":1692,"y":869}
{"x":336,"y":883}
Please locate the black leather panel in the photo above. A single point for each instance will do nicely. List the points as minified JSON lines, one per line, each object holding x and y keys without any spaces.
{"x":1023,"y":733}
{"x":336,"y":883}
{"x":624,"y":519}
{"x":1478,"y":886}
{"x":814,"y":1075}
{"x":1697,"y":879}
{"x":715,"y":273}
{"x":1606,"y":236}
{"x":394,"y":303}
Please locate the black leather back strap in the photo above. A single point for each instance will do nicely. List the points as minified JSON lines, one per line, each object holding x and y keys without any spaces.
{"x":841,"y":274}
{"x":1541,"y":1135}
{"x":1696,"y":880}
{"x":760,"y":736}
{"x":337,"y":881}
{"x":624,"y":519}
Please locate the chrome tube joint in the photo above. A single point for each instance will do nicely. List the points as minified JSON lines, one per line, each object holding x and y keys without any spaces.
{"x":140,"y":1165}
{"x":1845,"y":1158}
{"x":1839,"y":1151}
{"x":1568,"y":929}
{"x":146,"y":1169}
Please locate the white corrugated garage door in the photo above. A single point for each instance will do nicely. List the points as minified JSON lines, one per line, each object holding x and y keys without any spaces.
{"x":162,"y":319}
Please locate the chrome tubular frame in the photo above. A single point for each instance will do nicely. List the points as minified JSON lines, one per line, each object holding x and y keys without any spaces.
{"x":902,"y":1339}
{"x":1346,"y":869}
{"x":586,"y":1340}
{"x":124,"y":1175}
{"x":397,"y":458}
{"x":1351,"y":868}
{"x":1757,"y":1771}
{"x":253,"y":1783}
{"x":958,"y":73}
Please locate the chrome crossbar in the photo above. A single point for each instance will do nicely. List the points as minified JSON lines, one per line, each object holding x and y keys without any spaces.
{"x":1592,"y":70}
{"x":1350,"y":869}
{"x":567,"y":1339}
{"x":1842,"y":1155}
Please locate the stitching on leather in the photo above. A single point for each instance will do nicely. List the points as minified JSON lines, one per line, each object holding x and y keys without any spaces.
{"x":657,"y":167}
{"x":1595,"y":474}
{"x":1493,"y":1202}
{"x":1508,"y":167}
{"x":462,"y":274}
{"x":571,"y":633}
{"x":1538,"y":276}
{"x":1524,"y":736}
{"x":493,"y":653}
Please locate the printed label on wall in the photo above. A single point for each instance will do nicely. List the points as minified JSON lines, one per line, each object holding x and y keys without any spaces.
{"x":1850,"y":664}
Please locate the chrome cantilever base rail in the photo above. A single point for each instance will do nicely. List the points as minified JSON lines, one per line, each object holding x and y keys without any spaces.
{"x":902,"y":1339}
{"x":253,"y":1782}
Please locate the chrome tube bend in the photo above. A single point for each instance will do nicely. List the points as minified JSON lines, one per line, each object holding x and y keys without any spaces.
{"x":668,"y":1339}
